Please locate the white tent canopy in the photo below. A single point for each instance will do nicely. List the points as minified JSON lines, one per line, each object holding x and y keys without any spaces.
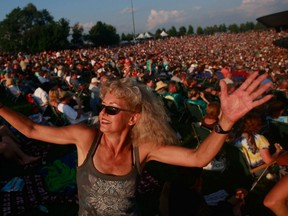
{"x":163,"y":34}
{"x":140,"y":36}
{"x":147,"y":35}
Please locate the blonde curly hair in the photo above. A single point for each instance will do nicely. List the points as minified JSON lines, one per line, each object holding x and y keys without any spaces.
{"x":153,"y":126}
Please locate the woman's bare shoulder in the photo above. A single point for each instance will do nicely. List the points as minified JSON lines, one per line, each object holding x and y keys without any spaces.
{"x":85,"y":137}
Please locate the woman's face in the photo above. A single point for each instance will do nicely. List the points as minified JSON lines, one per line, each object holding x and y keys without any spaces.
{"x":115,"y":123}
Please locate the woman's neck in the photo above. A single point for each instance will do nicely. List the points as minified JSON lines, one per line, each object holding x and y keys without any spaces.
{"x":117,"y":143}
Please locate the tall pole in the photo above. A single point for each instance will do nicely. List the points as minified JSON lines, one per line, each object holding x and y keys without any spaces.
{"x":132,"y":10}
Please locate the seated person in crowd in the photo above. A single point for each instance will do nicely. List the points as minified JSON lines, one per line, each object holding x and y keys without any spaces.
{"x":54,"y":96}
{"x":228,"y":79}
{"x":197,"y":97}
{"x":254,"y":145}
{"x":42,"y":76}
{"x":41,"y":97}
{"x":175,"y":95}
{"x":149,"y":84}
{"x":13,"y":88}
{"x":9,"y":148}
{"x":211,"y":93}
{"x":94,"y":89}
{"x":212,"y":114}
{"x":161,"y":88}
{"x":73,"y":116}
{"x":75,"y":82}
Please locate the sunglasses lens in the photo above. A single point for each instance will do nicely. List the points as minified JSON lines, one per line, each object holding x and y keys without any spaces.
{"x":111,"y":110}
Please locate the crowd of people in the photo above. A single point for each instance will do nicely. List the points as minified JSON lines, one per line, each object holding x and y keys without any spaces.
{"x":126,"y":88}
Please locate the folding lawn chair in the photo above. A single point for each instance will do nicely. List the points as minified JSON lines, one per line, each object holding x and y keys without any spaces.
{"x":257,"y":172}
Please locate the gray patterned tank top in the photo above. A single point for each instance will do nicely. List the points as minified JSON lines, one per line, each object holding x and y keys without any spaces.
{"x":103,"y":194}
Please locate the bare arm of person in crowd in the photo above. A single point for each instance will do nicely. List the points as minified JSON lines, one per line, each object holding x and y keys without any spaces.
{"x":233,"y":107}
{"x":78,"y":134}
{"x":276,"y":199}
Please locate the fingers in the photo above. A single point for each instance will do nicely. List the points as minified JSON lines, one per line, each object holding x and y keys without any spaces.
{"x":262,"y":100}
{"x":278,"y":146}
{"x":258,"y":92}
{"x":248,"y":81}
{"x":255,"y":83}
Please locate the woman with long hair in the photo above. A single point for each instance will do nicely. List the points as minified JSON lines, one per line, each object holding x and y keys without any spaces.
{"x":134,"y":130}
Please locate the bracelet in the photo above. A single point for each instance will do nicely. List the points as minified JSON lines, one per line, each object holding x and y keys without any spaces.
{"x":1,"y":105}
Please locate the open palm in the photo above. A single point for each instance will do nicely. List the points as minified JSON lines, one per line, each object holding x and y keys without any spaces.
{"x":245,"y":98}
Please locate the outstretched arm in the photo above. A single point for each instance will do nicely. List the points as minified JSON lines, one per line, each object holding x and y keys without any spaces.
{"x":233,"y":107}
{"x":57,"y":135}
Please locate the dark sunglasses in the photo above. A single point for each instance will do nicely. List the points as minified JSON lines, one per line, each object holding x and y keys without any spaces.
{"x":111,"y":110}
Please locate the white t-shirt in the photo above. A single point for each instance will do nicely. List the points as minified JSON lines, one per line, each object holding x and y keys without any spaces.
{"x":41,"y":97}
{"x":71,"y":114}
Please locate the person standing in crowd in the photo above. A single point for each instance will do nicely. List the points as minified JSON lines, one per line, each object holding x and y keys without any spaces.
{"x":150,"y":67}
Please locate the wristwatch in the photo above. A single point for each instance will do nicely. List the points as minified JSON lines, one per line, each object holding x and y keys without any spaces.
{"x":218,"y":129}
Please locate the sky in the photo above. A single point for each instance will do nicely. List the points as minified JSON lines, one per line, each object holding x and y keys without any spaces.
{"x":149,"y":15}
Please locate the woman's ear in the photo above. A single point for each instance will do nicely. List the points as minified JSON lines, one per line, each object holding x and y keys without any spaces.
{"x":134,"y":119}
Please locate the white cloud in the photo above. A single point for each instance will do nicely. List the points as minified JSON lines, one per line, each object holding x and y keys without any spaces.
{"x":127,"y":10}
{"x":87,"y":26}
{"x":256,"y":8}
{"x":162,"y":17}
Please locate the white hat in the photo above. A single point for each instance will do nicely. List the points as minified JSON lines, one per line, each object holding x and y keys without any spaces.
{"x":94,"y":80}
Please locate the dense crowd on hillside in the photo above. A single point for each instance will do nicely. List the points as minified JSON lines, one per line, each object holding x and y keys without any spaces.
{"x":180,"y":70}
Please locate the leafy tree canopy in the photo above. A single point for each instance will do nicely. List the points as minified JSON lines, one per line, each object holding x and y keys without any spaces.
{"x":31,"y":30}
{"x":103,"y":34}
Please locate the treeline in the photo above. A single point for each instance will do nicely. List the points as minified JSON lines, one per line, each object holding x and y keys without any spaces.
{"x":233,"y":28}
{"x":29,"y":29}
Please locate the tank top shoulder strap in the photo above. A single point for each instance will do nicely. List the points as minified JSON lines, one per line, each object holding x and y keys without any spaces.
{"x":94,"y":144}
{"x":136,"y":159}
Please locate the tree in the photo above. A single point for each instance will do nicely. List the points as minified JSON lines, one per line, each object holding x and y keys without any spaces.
{"x":127,"y":37}
{"x":222,"y":28}
{"x":200,"y":30}
{"x":208,"y":30}
{"x":77,"y":35}
{"x":260,"y":26}
{"x":190,"y":30}
{"x":250,"y":26}
{"x":157,"y":33}
{"x":182,"y":31}
{"x":102,"y":34}
{"x":31,"y":30}
{"x":172,"y":31}
{"x":10,"y":31}
{"x":233,"y":28}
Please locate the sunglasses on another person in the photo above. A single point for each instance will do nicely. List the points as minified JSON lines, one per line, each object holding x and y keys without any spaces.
{"x":111,"y":110}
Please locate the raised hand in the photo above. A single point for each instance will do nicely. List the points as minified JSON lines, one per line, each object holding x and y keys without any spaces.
{"x":245,"y":98}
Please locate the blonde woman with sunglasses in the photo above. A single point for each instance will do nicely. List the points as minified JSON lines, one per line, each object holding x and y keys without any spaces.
{"x":134,"y":129}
